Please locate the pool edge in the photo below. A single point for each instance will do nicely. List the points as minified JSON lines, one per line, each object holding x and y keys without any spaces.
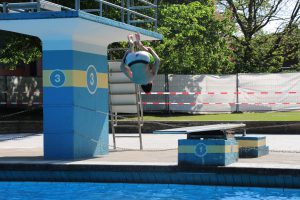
{"x":154,"y":174}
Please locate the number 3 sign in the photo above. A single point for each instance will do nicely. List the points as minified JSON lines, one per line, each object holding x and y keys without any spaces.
{"x":91,"y":79}
{"x":57,"y":78}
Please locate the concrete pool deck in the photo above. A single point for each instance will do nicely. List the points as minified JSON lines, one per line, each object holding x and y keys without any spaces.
{"x":158,"y":150}
{"x":22,"y":159}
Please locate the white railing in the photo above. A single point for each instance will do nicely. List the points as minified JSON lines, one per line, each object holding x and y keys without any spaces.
{"x":136,"y":10}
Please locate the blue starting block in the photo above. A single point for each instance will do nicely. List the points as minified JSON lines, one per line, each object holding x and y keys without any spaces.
{"x":210,"y":145}
{"x":217,"y":152}
{"x":252,"y":146}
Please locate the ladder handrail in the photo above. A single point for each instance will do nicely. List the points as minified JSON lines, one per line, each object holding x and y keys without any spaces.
{"x":148,"y":3}
{"x":125,"y":9}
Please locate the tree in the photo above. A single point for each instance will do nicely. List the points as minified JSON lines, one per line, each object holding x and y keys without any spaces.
{"x":252,"y":52}
{"x":17,"y":48}
{"x":291,"y":50}
{"x":194,"y":39}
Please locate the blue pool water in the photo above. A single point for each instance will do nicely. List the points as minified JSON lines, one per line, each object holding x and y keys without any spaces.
{"x":117,"y":191}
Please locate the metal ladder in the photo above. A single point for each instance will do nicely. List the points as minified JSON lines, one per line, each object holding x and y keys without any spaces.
{"x":125,"y":99}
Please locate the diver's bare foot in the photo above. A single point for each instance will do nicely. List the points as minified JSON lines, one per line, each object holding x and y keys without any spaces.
{"x":138,"y":37}
{"x":130,"y":39}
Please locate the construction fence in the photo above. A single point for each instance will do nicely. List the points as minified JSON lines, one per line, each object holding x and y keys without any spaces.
{"x":226,"y":93}
{"x":187,"y":93}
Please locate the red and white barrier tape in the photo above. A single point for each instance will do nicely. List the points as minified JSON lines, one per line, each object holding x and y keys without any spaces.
{"x":179,"y":103}
{"x":192,"y":93}
{"x":208,"y":103}
{"x":212,"y":93}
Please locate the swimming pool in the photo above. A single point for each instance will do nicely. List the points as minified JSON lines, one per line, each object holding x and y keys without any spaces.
{"x":114,"y":191}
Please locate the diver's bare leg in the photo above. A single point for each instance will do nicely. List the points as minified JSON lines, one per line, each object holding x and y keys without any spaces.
{"x":131,"y":43}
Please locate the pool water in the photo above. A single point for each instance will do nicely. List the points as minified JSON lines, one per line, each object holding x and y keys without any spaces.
{"x":117,"y":191}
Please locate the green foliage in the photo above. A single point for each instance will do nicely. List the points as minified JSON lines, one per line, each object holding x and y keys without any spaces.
{"x":194,"y":39}
{"x":170,"y":2}
{"x":291,"y":50}
{"x":258,"y":51}
{"x":16,"y":48}
{"x":267,"y":116}
{"x":266,"y":53}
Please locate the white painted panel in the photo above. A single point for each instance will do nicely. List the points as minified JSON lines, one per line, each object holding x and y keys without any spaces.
{"x":124,"y":88}
{"x":123,"y":99}
{"x":196,"y":129}
{"x":261,"y":90}
{"x":203,"y":84}
{"x":50,"y":6}
{"x":114,"y":66}
{"x":124,"y":109}
{"x":118,"y":78}
{"x":85,"y":31}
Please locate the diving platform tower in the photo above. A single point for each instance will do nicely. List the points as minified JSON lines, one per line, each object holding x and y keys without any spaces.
{"x":75,"y":67}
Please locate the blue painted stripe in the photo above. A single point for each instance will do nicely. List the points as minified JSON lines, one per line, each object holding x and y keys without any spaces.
{"x":95,"y":102}
{"x":73,"y":60}
{"x":71,"y":96}
{"x":253,"y":152}
{"x":90,"y":131}
{"x":39,"y":15}
{"x":58,"y":119}
{"x":58,"y":146}
{"x":209,"y":159}
{"x":89,"y":122}
{"x":61,"y":59}
{"x":209,"y":155}
{"x":58,"y":96}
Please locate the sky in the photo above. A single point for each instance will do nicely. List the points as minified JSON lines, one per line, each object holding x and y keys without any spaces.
{"x":285,"y":12}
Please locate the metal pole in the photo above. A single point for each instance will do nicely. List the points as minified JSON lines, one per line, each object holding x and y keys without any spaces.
{"x":122,"y":4}
{"x":77,"y":4}
{"x":132,"y":5}
{"x":101,"y":7}
{"x":237,"y":105}
{"x":156,"y":12}
{"x":5,"y":7}
{"x":128,"y":13}
{"x":32,"y":10}
{"x":125,"y":9}
{"x":167,"y":89}
{"x":38,"y":6}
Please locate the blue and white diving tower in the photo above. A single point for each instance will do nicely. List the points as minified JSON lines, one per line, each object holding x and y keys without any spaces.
{"x":75,"y":68}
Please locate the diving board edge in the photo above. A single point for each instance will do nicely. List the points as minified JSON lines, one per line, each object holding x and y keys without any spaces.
{"x":205,"y":128}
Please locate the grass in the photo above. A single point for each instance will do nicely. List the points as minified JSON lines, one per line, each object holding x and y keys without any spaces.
{"x":267,"y":116}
